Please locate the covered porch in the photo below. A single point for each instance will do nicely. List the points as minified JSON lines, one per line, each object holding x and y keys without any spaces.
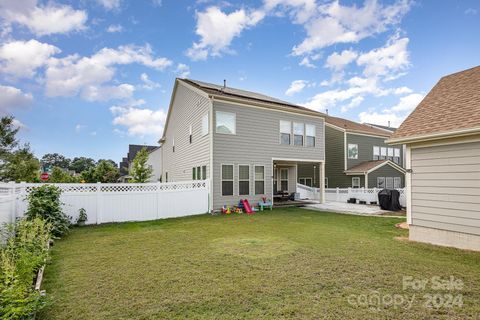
{"x":297,"y":182}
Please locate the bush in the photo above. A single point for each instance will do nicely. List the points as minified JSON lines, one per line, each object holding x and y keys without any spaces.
{"x":44,"y":202}
{"x":24,"y":252}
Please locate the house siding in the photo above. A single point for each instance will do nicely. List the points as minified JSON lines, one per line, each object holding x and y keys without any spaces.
{"x":155,"y":161}
{"x":307,"y":170}
{"x":256,"y":142}
{"x":335,"y":159}
{"x":188,"y":108}
{"x":385,"y":171}
{"x":445,"y":187}
{"x":365,"y":148}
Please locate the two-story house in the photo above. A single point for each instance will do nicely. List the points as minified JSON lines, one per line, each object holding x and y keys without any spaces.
{"x":249,"y":145}
{"x":357,"y":156}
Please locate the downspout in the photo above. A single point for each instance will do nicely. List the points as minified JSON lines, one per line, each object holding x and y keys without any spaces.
{"x":210,"y":123}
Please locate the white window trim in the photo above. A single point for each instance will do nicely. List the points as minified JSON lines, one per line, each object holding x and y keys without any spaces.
{"x":305,"y":180}
{"x":234,"y":123}
{"x":280,"y":132}
{"x":356,"y":179}
{"x":314,"y":135}
{"x":255,"y":180}
{"x":348,"y":149}
{"x":205,"y":117}
{"x":294,"y":134}
{"x":386,"y":182}
{"x":281,"y":179}
{"x":399,"y":184}
{"x":233,"y":179}
{"x":249,"y":175}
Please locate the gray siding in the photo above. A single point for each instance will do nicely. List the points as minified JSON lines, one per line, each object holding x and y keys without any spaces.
{"x":365,"y":148}
{"x":187,"y":109}
{"x":307,"y":170}
{"x":385,"y":171}
{"x":256,"y":142}
{"x":445,"y":187}
{"x":334,"y":159}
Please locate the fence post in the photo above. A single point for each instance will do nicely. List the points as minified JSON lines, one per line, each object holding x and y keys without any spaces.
{"x":337,"y":194}
{"x":22,"y":197}
{"x":99,"y":202}
{"x":157,"y":193}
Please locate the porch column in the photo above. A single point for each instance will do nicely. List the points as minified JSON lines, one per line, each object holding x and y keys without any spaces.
{"x":322,"y":181}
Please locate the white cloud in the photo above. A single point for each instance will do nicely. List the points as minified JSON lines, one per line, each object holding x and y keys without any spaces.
{"x":12,"y":98}
{"x":306,"y":63}
{"x":147,"y":83}
{"x":408,"y":103}
{"x":383,"y":119}
{"x":337,"y":61}
{"x":299,"y":10}
{"x":336,"y":23}
{"x":79,"y":127}
{"x":42,"y":20}
{"x":156,"y":3}
{"x":355,"y":102}
{"x":471,"y":11}
{"x":296,"y":87}
{"x":110,"y":4}
{"x":113,"y":28}
{"x":391,"y":58}
{"x":21,"y":59}
{"x":217,"y":30}
{"x":139,"y":121}
{"x":74,"y":74}
{"x":182,"y":70}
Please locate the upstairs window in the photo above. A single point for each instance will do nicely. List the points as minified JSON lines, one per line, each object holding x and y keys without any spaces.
{"x":205,"y":124}
{"x":190,"y":133}
{"x":310,"y":133}
{"x":226,"y":122}
{"x":204,"y":172}
{"x":396,"y":156}
{"x":227,"y":180}
{"x":383,"y":153}
{"x":390,"y":154}
{"x":199,"y":174}
{"x":194,"y":173}
{"x":376,"y":153}
{"x":352,"y":151}
{"x":285,"y":132}
{"x":298,"y":132}
{"x":243,"y":180}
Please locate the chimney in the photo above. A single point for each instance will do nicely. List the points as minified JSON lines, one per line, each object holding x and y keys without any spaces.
{"x":389,"y":123}
{"x":326,"y":111}
{"x":224,"y":83}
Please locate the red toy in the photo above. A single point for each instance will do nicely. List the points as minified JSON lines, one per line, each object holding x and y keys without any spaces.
{"x":246,"y":206}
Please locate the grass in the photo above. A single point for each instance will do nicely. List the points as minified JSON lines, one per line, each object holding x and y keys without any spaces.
{"x":286,"y":263}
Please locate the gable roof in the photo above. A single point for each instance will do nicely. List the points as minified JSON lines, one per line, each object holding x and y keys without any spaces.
{"x":451,"y":107}
{"x":220,"y":91}
{"x":369,"y":166}
{"x":355,"y":127}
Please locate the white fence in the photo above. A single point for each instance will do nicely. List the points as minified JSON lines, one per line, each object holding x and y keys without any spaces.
{"x":116,"y":202}
{"x":307,"y":192}
{"x":362,"y":194}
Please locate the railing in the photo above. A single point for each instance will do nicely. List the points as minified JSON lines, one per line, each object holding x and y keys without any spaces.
{"x":114,"y":202}
{"x":307,"y":192}
{"x":362,"y":194}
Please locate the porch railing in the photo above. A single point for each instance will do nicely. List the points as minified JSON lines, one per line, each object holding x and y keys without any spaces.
{"x":307,"y":192}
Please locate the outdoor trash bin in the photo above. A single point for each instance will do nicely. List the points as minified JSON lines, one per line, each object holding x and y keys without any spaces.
{"x":389,"y":200}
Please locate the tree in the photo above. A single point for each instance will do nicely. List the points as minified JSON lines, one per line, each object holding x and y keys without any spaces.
{"x":80,"y":164}
{"x":60,"y":175}
{"x":141,"y":171}
{"x":8,"y":131}
{"x":109,"y":161}
{"x":55,"y":160}
{"x":21,"y":165}
{"x":106,"y":172}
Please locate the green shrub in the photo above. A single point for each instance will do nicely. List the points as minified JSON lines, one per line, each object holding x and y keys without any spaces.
{"x":23,"y":253}
{"x":44,"y":202}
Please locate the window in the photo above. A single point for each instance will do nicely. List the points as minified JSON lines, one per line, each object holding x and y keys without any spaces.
{"x":243,"y":180}
{"x":259,"y":180}
{"x":381,"y":182}
{"x":352,"y":151}
{"x":173,"y":144}
{"x":397,"y":182}
{"x":310,"y":133}
{"x":383,"y":153}
{"x":205,"y":124}
{"x":204,"y":172}
{"x":390,"y":154}
{"x":199,"y":174}
{"x":326,"y":182}
{"x":190,"y":134}
{"x":396,"y":156}
{"x":285,"y":132}
{"x":355,"y":182}
{"x":389,"y":182}
{"x":284,"y":179}
{"x":376,"y":153}
{"x":227,"y":180}
{"x":298,"y":130}
{"x":226,"y":122}
{"x":306,"y":182}
{"x":194,"y":174}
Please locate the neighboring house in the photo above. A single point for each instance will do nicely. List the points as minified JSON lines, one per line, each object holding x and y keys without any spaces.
{"x":357,"y":156}
{"x":388,"y":128}
{"x":443,"y":163}
{"x":249,"y":145}
{"x":132,"y":152}
{"x":155,"y":163}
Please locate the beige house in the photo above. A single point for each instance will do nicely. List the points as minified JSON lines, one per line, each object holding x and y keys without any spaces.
{"x":443,"y":163}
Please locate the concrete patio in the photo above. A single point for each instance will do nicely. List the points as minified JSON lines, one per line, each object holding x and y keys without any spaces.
{"x":351,"y":208}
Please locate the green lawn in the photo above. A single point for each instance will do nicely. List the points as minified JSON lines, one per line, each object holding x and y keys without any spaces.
{"x":288,"y":263}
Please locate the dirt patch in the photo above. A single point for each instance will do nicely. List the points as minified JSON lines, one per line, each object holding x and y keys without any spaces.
{"x":253,"y":248}
{"x":402,"y":225}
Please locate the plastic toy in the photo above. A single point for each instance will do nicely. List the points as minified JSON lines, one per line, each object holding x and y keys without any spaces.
{"x":246,"y":206}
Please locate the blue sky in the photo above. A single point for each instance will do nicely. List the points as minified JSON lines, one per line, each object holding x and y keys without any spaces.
{"x":86,"y":78}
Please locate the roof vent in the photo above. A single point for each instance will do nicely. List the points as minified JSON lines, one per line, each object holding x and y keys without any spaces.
{"x":326,"y":111}
{"x":389,"y":123}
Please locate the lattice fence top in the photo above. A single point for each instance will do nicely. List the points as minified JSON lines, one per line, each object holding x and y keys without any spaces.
{"x":6,"y":188}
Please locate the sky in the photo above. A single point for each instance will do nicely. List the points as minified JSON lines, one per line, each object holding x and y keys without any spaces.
{"x":89,"y":77}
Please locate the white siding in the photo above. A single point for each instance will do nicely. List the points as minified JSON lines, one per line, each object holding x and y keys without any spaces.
{"x":446,"y":187}
{"x":155,"y":161}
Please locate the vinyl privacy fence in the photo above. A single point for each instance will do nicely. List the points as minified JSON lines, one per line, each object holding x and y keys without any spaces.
{"x":363,"y":194}
{"x":116,"y":202}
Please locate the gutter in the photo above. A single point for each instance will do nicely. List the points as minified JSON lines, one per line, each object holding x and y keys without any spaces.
{"x":435,"y":136}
